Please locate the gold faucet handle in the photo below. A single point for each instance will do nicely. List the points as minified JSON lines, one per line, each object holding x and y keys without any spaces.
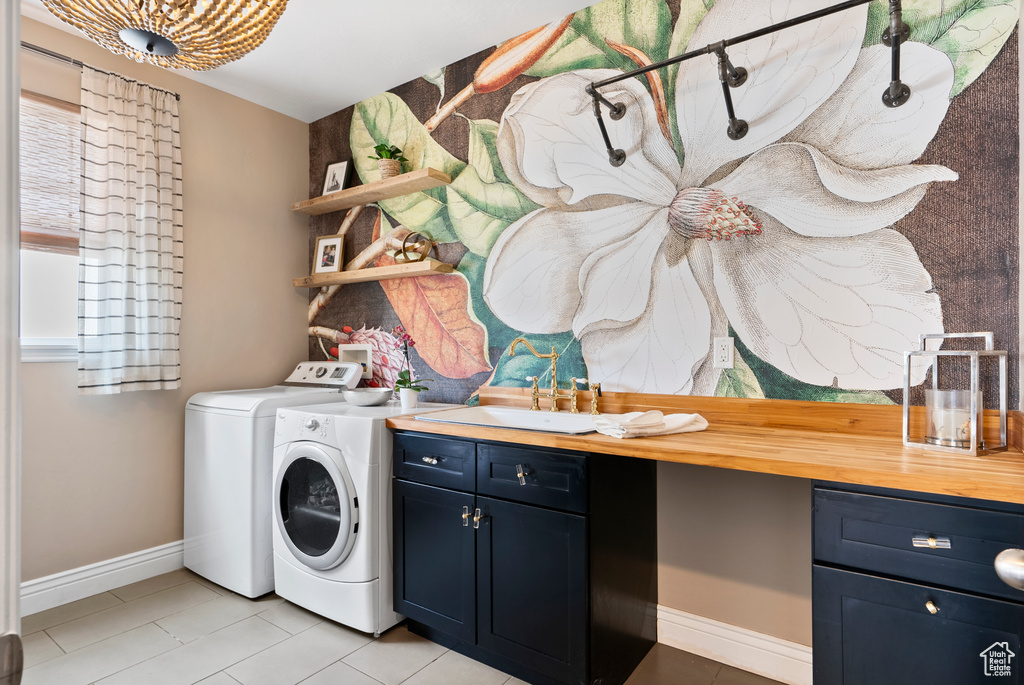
{"x":595,"y":389}
{"x":534,"y":393}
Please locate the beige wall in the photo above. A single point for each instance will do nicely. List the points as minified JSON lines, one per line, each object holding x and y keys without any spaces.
{"x":736,"y":547}
{"x":102,"y":475}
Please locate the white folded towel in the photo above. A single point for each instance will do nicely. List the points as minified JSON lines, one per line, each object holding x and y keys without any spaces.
{"x":636,"y":424}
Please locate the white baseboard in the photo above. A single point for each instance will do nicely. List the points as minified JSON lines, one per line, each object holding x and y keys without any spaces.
{"x":60,"y":588}
{"x":765,"y":655}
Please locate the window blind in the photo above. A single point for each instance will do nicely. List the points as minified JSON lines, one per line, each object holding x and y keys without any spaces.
{"x":50,"y":162}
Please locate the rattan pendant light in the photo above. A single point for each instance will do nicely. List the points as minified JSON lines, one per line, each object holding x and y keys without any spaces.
{"x":178,"y":34}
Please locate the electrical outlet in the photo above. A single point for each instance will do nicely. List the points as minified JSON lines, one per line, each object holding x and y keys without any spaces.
{"x":722,"y":351}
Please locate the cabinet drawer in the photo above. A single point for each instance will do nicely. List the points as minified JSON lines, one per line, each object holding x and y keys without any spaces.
{"x":877,"y":533}
{"x":876,"y":631}
{"x":550,"y":479}
{"x":443,"y":462}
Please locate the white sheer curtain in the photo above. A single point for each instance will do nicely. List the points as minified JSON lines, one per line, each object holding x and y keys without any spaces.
{"x":130,"y":250}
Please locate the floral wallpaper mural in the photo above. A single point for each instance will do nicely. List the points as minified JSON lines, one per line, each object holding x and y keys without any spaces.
{"x":825,"y":240}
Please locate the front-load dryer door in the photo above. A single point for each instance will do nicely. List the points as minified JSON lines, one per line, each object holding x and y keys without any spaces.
{"x":315,"y":505}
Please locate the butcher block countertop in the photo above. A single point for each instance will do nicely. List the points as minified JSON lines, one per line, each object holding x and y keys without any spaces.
{"x":846,"y":443}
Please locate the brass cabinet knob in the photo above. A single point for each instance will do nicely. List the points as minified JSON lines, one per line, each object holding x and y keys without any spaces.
{"x":931,"y":607}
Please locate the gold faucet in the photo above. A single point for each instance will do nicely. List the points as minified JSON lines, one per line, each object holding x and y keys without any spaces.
{"x":553,"y":393}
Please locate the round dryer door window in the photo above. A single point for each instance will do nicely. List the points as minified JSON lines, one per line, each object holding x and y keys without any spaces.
{"x":316,"y":512}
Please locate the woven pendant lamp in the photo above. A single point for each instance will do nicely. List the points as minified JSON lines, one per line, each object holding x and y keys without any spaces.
{"x":176,"y":34}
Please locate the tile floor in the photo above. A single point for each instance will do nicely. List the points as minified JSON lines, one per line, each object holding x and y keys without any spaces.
{"x":179,"y":629}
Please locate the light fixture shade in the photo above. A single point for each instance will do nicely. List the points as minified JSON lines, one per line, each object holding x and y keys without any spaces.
{"x":177,"y":34}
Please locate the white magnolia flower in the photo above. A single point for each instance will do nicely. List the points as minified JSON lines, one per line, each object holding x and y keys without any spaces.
{"x":784,"y":234}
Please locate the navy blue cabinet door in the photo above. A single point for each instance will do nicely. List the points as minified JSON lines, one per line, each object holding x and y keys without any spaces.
{"x":532,"y":588}
{"x":434,"y":557}
{"x":876,"y":631}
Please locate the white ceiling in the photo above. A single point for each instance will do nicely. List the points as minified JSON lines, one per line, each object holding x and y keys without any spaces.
{"x":325,"y":55}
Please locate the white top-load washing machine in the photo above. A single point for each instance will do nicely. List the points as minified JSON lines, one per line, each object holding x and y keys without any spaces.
{"x":228,"y":457}
{"x":332,"y":512}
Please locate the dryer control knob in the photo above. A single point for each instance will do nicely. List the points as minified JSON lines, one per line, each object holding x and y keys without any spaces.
{"x":311,"y":424}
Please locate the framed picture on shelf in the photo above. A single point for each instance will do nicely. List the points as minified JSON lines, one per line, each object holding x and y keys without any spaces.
{"x":336,"y":177}
{"x":329,"y":254}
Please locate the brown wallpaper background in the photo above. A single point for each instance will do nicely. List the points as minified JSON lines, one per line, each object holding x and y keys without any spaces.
{"x":966,"y":232}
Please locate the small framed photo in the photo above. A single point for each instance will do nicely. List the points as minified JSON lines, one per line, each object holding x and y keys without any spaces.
{"x":336,"y":177}
{"x":329,"y":254}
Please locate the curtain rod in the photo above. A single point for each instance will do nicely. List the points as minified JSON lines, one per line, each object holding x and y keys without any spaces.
{"x":78,"y":63}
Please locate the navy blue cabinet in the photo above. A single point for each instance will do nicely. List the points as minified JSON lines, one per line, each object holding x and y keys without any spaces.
{"x":435,"y":560}
{"x":905,"y":590}
{"x":541,"y":563}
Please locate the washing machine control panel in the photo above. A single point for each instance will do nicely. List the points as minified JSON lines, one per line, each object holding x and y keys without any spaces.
{"x":338,"y":375}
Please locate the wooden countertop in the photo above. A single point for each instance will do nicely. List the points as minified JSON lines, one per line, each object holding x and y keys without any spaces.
{"x":848,"y":443}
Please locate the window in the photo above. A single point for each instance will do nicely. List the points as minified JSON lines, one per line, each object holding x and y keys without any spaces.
{"x":50,"y":156}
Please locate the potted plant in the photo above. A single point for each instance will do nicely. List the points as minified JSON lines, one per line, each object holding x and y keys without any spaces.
{"x":389,"y":160}
{"x":408,"y":388}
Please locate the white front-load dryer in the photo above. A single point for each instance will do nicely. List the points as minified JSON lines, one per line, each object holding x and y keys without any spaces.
{"x":332,"y":512}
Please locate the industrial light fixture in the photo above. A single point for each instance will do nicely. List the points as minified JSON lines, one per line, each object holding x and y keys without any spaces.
{"x":894,"y":95}
{"x":177,"y":34}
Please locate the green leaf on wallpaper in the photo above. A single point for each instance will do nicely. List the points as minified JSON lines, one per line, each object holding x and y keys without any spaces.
{"x":472,"y":266}
{"x":643,"y":24}
{"x":779,"y":386}
{"x":386,"y":118}
{"x":483,"y":150}
{"x":511,"y":371}
{"x":482,"y":202}
{"x":480,"y":211}
{"x":970,"y":32}
{"x":739,"y":381}
{"x":691,"y":13}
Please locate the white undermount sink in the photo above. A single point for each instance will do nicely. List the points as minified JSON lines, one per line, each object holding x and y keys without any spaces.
{"x":493,"y":416}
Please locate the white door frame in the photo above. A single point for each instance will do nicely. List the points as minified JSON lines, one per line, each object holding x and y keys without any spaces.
{"x":10,"y":349}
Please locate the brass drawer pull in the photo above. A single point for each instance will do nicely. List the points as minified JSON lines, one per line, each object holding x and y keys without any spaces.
{"x":465,"y":516}
{"x":521,"y":474}
{"x":477,"y":517}
{"x":932,"y":542}
{"x":430,"y":460}
{"x":931,"y":607}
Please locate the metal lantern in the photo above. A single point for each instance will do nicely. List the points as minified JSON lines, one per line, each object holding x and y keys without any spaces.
{"x":954,"y":416}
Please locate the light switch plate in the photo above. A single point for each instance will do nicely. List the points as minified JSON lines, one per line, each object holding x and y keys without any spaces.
{"x":722,"y":351}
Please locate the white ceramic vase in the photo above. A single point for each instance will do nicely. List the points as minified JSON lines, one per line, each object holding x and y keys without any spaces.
{"x":409,"y":398}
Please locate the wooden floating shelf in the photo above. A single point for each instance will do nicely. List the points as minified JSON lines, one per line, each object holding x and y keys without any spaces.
{"x":374,"y":273}
{"x":421,"y":179}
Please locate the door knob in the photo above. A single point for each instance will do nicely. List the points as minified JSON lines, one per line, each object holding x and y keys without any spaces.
{"x":1010,"y":567}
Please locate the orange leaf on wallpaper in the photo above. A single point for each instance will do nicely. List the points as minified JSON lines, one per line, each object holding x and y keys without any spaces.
{"x":435,"y":311}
